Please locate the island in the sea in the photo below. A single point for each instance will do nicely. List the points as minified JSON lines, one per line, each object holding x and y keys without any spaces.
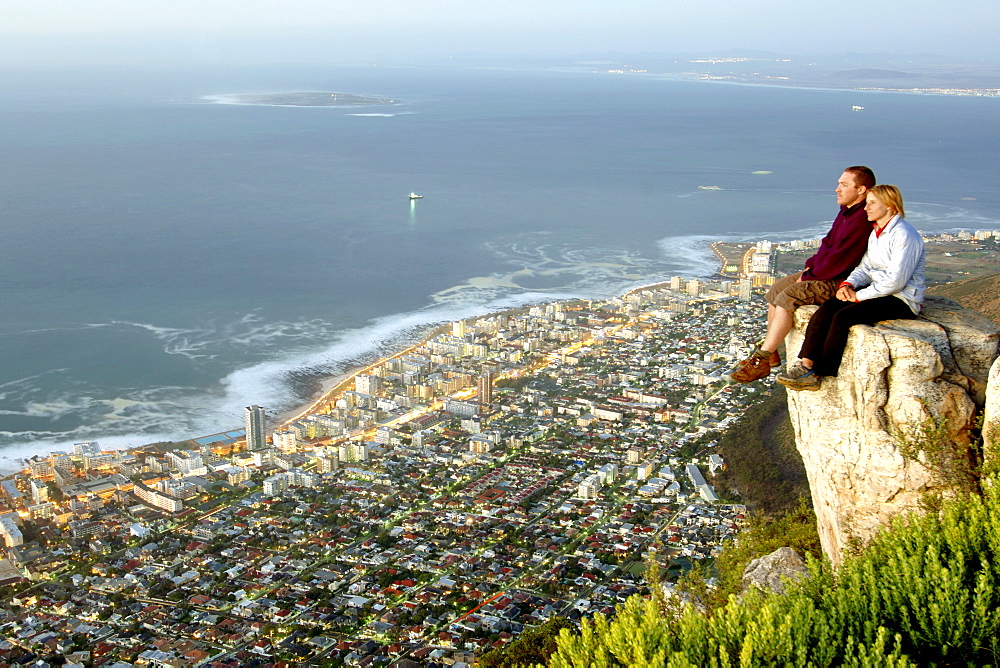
{"x":303,"y":99}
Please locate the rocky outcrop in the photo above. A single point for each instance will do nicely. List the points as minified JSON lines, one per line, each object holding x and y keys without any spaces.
{"x":901,"y":383}
{"x":773,"y":571}
{"x":991,"y":419}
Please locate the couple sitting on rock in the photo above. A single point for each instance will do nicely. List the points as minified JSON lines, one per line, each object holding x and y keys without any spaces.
{"x":869,"y":268}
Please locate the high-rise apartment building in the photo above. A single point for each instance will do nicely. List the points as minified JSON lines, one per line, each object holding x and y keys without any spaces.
{"x":367,"y":384}
{"x":327,"y":463}
{"x":485,"y":388}
{"x":286,"y":440}
{"x":256,"y":433}
{"x":39,"y":491}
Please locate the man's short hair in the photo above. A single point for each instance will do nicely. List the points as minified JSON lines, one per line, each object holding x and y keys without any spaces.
{"x":863,"y":176}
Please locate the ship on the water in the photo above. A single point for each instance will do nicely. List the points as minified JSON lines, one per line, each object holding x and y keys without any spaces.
{"x":416,"y":196}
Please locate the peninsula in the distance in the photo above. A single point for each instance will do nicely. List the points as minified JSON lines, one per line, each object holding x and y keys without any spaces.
{"x":921,"y":74}
{"x":305,"y":99}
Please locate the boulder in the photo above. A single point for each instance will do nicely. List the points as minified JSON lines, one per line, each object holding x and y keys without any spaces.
{"x":773,"y":571}
{"x":867,"y":437}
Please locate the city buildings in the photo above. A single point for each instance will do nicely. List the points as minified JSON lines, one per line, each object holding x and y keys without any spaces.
{"x":517,"y":469}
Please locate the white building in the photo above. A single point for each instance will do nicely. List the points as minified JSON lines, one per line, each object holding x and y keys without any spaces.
{"x":745,"y":290}
{"x":608,"y":473}
{"x":42,"y":511}
{"x":461,"y":408}
{"x":367,"y":384}
{"x":39,"y":491}
{"x":181,"y":489}
{"x":188,"y":462}
{"x":11,"y":534}
{"x":589,"y":487}
{"x":360,"y":452}
{"x":286,"y":440}
{"x":158,"y":499}
{"x":86,"y":449}
{"x":275,"y":485}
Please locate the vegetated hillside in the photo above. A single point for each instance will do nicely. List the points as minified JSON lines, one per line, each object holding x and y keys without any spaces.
{"x":763,"y":467}
{"x":981,"y":294}
{"x":925,"y":592}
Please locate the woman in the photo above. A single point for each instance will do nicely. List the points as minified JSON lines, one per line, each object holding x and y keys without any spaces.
{"x":887,"y":285}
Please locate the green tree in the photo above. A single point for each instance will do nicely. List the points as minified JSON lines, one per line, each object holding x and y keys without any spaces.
{"x":533,"y":647}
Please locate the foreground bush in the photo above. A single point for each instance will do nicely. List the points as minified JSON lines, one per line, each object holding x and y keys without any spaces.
{"x":927,"y":591}
{"x":531,"y":648}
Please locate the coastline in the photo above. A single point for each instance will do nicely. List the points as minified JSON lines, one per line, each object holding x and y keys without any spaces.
{"x":88,"y":413}
{"x":824,"y":86}
{"x":332,"y":386}
{"x":326,"y":387}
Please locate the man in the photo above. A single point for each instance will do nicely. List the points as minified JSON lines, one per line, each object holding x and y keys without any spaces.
{"x":840,"y":251}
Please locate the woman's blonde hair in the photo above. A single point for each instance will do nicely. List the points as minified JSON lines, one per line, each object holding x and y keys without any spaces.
{"x":890,"y":197}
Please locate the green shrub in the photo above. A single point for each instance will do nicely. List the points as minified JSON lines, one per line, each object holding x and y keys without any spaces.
{"x":924,"y":592}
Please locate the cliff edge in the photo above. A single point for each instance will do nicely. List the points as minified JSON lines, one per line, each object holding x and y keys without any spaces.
{"x":897,"y":427}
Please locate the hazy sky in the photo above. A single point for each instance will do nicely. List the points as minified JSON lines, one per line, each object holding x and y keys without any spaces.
{"x":282,"y":30}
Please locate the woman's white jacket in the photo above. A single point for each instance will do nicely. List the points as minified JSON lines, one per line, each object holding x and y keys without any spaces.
{"x":892,"y":265}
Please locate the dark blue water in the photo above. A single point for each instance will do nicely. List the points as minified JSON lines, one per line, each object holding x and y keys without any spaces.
{"x":168,"y":260}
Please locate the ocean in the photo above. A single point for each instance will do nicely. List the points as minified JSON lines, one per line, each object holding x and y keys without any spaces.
{"x":169,"y":259}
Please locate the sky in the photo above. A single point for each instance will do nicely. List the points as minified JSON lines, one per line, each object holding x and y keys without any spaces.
{"x":292,"y":30}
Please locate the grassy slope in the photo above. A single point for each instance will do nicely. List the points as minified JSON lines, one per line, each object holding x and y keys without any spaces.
{"x":763,"y":467}
{"x":981,"y":294}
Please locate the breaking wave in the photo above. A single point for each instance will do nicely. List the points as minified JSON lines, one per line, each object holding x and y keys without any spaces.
{"x":283,"y":362}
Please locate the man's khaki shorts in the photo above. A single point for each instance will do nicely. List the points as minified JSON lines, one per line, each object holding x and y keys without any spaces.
{"x":790,"y":293}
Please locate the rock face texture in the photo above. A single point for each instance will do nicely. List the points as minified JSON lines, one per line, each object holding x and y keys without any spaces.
{"x":898,"y":381}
